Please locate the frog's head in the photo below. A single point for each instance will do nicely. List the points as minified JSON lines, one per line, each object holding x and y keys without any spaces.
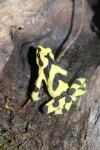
{"x":43,"y":51}
{"x":42,"y":55}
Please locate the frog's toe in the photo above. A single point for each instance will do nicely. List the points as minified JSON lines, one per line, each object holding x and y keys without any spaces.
{"x":35,"y":96}
{"x":47,"y":110}
{"x":52,"y":115}
{"x":37,"y":99}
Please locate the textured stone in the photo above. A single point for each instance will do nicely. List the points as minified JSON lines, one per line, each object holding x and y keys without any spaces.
{"x":47,"y":22}
{"x":23,"y":21}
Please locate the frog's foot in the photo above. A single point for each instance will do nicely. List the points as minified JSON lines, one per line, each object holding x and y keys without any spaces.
{"x":58,"y":106}
{"x":35,"y":96}
{"x":53,"y":105}
{"x":78,"y":88}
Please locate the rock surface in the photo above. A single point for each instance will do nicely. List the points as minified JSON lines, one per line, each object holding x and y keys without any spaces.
{"x":47,"y":22}
{"x":27,"y":20}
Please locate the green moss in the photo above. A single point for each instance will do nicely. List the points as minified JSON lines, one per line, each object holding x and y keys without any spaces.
{"x":33,"y":127}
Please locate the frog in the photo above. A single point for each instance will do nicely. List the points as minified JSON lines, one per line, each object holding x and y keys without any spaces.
{"x":63,"y":94}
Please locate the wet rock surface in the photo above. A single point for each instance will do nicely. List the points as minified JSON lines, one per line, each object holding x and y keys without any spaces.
{"x":46,"y":22}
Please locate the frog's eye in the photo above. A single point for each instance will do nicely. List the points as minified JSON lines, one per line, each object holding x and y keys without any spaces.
{"x":39,"y":49}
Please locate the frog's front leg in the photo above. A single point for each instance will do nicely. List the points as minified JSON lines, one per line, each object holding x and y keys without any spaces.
{"x":35,"y":93}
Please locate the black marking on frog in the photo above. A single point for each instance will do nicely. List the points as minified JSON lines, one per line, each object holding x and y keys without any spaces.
{"x":36,"y":89}
{"x":77,"y":82}
{"x":48,"y":67}
{"x":64,"y":110}
{"x":71,"y":91}
{"x":82,"y":88}
{"x":56,"y":103}
{"x":68,"y":98}
{"x":57,"y":78}
{"x":40,"y":61}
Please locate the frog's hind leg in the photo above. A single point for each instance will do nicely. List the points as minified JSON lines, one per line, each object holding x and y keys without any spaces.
{"x":59,"y":105}
{"x":78,"y":88}
{"x":54,"y":106}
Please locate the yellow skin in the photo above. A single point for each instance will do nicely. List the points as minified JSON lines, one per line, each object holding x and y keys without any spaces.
{"x":55,"y":78}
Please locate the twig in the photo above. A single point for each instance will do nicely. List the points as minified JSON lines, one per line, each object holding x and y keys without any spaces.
{"x":23,"y":107}
{"x":62,"y":53}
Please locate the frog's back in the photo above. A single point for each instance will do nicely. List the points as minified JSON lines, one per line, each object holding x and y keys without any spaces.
{"x":57,"y":81}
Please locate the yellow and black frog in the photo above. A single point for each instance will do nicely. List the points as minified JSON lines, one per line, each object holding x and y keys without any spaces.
{"x":55,"y":78}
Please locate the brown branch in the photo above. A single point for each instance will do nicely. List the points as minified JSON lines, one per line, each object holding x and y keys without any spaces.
{"x":62,"y":53}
